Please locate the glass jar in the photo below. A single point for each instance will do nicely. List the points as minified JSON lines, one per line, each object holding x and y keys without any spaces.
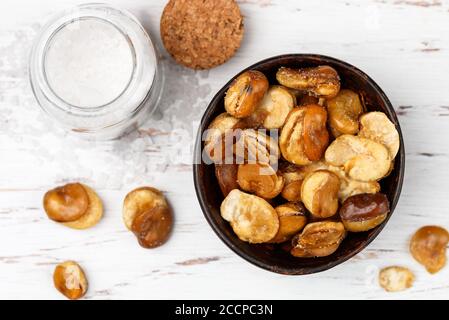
{"x":95,"y":70}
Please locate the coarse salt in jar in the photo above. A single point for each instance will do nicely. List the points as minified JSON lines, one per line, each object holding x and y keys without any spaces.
{"x":95,"y":70}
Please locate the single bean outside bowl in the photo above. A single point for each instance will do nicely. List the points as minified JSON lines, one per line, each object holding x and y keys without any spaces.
{"x":272,"y":257}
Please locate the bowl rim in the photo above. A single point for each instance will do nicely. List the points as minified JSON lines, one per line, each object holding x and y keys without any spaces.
{"x":197,"y":163}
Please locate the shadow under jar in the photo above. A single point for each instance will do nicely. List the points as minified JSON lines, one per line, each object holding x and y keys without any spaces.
{"x":273,"y":257}
{"x":95,"y":70}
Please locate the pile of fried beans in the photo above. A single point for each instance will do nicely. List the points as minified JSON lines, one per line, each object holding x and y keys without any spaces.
{"x":308,"y":142}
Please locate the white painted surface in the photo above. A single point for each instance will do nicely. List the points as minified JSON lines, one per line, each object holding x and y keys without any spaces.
{"x":403,"y":45}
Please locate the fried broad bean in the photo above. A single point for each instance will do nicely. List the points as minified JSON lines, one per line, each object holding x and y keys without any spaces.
{"x":275,"y":107}
{"x":245,"y":93}
{"x":139,"y":201}
{"x":256,"y":146}
{"x":70,"y":280}
{"x":428,"y":247}
{"x":348,"y":186}
{"x":252,"y":218}
{"x":291,"y":141}
{"x":344,"y":112}
{"x":93,"y":214}
{"x":152,"y":227}
{"x":227,"y":177}
{"x":322,"y":81}
{"x":319,"y":193}
{"x":376,"y":126}
{"x":292,"y":219}
{"x":147,"y":214}
{"x":260,"y":179}
{"x":318,"y":239}
{"x":316,"y":136}
{"x":215,"y":142}
{"x":395,"y":278}
{"x":293,"y":177}
{"x":67,"y":203}
{"x":363,"y":159}
{"x":364,"y":212}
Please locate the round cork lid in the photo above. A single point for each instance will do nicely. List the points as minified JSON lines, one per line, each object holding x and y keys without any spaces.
{"x":201,"y":34}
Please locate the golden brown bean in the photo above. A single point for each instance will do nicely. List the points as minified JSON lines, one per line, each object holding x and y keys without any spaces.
{"x":322,"y":81}
{"x":318,"y":239}
{"x":256,"y":146}
{"x":260,"y":179}
{"x":227,"y":177}
{"x":291,"y":141}
{"x":139,"y":201}
{"x":316,"y":136}
{"x":344,"y":112}
{"x":93,"y":214}
{"x":376,"y":126}
{"x":364,"y":212}
{"x":363,"y":159}
{"x":152,"y":228}
{"x":276,"y":105}
{"x":319,"y":193}
{"x":215,"y":143}
{"x":245,"y":93}
{"x":66,"y":203}
{"x":252,"y":218}
{"x":292,"y":219}
{"x":70,"y":280}
{"x":395,"y":278}
{"x":428,"y":247}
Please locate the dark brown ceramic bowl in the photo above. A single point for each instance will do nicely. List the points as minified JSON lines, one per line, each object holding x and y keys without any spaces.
{"x":274,"y":258}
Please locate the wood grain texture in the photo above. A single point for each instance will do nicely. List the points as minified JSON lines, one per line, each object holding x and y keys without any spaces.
{"x":402,"y":45}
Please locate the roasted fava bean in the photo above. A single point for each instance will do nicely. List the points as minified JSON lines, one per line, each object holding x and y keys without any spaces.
{"x":93,"y":214}
{"x":252,"y":218}
{"x":364,"y":212}
{"x":395,"y":278}
{"x":152,"y":228}
{"x":275,"y":106}
{"x":350,"y":187}
{"x":227,"y":177}
{"x":245,"y":93}
{"x":428,"y":247}
{"x":260,"y":179}
{"x":318,"y":239}
{"x":316,"y":136}
{"x":292,"y":219}
{"x":70,"y":280}
{"x":363,"y":159}
{"x":293,"y":177}
{"x":147,"y":214}
{"x":322,"y":81}
{"x":344,"y":112}
{"x":291,"y":141}
{"x":319,"y":193}
{"x":215,"y":142}
{"x":255,"y":146}
{"x":139,"y":201}
{"x":376,"y":126}
{"x":66,"y":203}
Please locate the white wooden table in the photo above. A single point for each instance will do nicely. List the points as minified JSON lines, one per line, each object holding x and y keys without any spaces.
{"x":403,"y":45}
